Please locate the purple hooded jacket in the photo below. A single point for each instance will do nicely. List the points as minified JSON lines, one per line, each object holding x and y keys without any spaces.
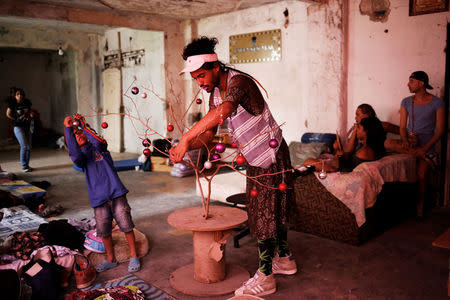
{"x":102,"y":181}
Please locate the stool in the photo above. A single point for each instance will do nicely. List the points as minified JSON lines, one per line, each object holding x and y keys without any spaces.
{"x":241,"y":200}
{"x":121,"y":248}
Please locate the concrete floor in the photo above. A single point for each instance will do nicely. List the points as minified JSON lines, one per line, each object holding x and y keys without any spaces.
{"x":399,"y":264}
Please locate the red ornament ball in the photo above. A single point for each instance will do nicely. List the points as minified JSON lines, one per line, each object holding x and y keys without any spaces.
{"x":144,"y":95}
{"x":254,"y":192}
{"x":220,"y":147}
{"x":170,"y":127}
{"x":273,"y":143}
{"x":240,"y":159}
{"x":75,"y":123}
{"x":234,"y":145}
{"x":146,"y":142}
{"x":104,"y":125}
{"x":199,"y":101}
{"x":134,"y":90}
{"x":146,"y":152}
{"x":282,"y":187}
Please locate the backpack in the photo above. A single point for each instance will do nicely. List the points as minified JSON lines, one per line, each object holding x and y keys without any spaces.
{"x":44,"y":276}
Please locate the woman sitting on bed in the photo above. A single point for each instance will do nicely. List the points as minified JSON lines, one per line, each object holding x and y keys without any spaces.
{"x":371,"y":137}
{"x":363,"y":111}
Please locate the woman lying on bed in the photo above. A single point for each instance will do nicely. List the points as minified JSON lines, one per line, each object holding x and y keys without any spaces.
{"x":371,"y":136}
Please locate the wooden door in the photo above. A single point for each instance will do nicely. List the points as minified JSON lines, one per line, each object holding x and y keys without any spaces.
{"x":112,"y":102}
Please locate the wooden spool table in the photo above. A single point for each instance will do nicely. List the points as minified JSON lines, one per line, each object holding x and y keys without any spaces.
{"x":209,"y":275}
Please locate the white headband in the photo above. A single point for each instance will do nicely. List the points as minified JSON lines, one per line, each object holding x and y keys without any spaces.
{"x":195,"y":62}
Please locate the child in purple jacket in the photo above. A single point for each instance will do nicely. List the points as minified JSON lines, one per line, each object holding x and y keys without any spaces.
{"x":107,"y":194}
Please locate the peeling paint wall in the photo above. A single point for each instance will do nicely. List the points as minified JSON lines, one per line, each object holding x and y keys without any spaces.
{"x":305,"y":87}
{"x":76,"y":79}
{"x":148,"y":77}
{"x":383,"y":55}
{"x":285,"y":81}
{"x":78,"y":46}
{"x":327,"y":109}
{"x":377,"y":10}
{"x":47,"y":79}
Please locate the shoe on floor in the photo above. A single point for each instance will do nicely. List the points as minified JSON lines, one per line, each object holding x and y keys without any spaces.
{"x":105,"y":265}
{"x":284,"y":265}
{"x":134,"y":265}
{"x":84,"y":272}
{"x":26,"y":170}
{"x":52,"y":211}
{"x":259,"y":285}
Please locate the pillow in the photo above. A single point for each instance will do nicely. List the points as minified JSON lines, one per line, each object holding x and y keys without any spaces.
{"x":301,"y":151}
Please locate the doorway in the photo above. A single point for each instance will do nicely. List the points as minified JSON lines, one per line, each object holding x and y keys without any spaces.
{"x":49,"y":81}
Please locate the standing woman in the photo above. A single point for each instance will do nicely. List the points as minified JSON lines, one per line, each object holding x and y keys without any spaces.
{"x":19,"y":111}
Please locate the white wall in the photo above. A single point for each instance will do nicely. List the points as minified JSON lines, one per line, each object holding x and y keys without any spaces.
{"x":286,"y":81}
{"x":380,"y":63}
{"x":326,"y":103}
{"x":149,"y":77}
{"x":306,"y":87}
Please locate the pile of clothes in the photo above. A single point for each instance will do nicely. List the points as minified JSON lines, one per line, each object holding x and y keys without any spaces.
{"x":43,"y":260}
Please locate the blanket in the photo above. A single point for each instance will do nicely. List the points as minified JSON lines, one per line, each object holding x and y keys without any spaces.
{"x":358,"y":190}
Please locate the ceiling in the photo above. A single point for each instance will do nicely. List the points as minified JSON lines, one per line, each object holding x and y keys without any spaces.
{"x":176,"y":9}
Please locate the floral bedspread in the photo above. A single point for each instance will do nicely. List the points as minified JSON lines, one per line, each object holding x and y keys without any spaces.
{"x":358,"y":190}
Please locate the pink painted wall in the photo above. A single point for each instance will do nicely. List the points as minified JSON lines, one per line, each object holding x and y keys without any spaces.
{"x":380,"y":62}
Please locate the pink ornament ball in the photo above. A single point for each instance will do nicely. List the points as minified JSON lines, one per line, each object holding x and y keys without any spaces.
{"x":134,"y":90}
{"x":216,"y":157}
{"x":170,"y":127}
{"x":146,"y":142}
{"x":104,"y":125}
{"x":146,"y":152}
{"x":254,"y":192}
{"x":199,"y":101}
{"x":220,"y":147}
{"x":240,"y":160}
{"x":207,"y":164}
{"x":273,"y":143}
{"x":282,"y":187}
{"x":144,"y":95}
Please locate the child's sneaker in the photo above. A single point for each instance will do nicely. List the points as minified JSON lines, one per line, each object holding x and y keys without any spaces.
{"x":284,"y":265}
{"x":258,"y":285}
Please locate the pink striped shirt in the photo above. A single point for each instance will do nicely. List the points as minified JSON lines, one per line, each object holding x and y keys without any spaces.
{"x":252,"y":133}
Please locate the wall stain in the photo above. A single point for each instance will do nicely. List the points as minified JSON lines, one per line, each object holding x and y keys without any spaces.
{"x":377,"y":10}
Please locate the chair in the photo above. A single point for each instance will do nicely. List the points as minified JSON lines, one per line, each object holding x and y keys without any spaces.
{"x":239,"y":199}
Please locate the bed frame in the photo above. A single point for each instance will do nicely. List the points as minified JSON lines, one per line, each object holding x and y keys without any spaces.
{"x":322,"y":214}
